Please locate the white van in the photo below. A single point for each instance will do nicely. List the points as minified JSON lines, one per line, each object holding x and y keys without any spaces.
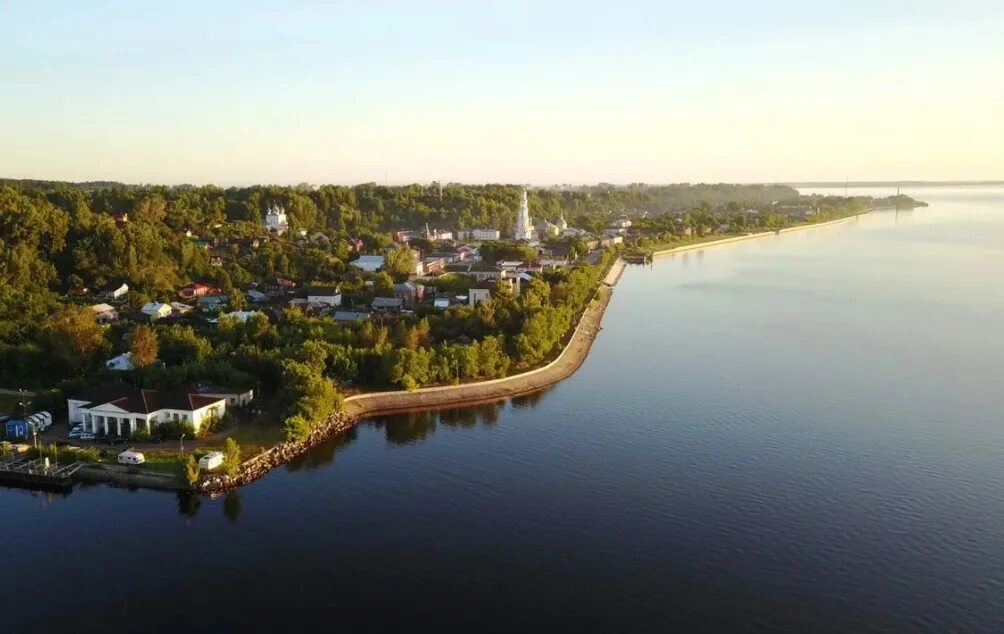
{"x":211,"y":460}
{"x":131,"y":457}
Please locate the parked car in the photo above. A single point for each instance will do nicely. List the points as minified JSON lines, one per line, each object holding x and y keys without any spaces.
{"x":86,"y":435}
{"x":75,"y":432}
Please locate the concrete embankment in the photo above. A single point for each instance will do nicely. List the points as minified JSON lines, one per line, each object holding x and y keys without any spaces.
{"x":571,"y":357}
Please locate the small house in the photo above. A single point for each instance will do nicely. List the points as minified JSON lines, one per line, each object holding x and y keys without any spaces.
{"x":329,"y":295}
{"x":387,"y":304}
{"x":116,"y":291}
{"x":409,"y":292}
{"x":477,"y":295}
{"x":369,"y":263}
{"x":347,"y":316}
{"x":156,"y":310}
{"x":104,"y":314}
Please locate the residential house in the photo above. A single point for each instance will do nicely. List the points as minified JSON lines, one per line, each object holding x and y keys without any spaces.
{"x":197,"y":290}
{"x":434,"y":265}
{"x":235,"y":396}
{"x":409,"y":293}
{"x":347,"y":316}
{"x":179,"y":309}
{"x":156,"y":310}
{"x":120,"y":363}
{"x":369,"y":263}
{"x":122,"y":411}
{"x":116,"y":291}
{"x":309,"y":307}
{"x":281,"y":286}
{"x":329,"y":295}
{"x":387,"y":304}
{"x":104,"y":314}
{"x":477,"y":295}
{"x":406,"y":236}
{"x":212,"y":303}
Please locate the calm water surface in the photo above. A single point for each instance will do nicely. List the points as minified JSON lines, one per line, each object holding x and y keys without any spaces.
{"x":803,"y":433}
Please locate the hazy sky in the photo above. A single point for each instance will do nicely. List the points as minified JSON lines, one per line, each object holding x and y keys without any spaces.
{"x":474,"y":90}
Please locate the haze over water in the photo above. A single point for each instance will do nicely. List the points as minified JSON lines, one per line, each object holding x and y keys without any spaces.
{"x":798,"y":433}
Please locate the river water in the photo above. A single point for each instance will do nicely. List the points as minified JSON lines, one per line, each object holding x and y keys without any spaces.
{"x":797,"y":433}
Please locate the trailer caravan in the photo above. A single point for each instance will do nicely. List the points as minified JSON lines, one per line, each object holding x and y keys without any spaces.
{"x":131,"y":457}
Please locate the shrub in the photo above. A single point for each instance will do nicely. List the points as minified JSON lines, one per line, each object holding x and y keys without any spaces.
{"x":172,"y":430}
{"x":141,"y":435}
{"x":297,"y":428}
{"x":231,"y":457}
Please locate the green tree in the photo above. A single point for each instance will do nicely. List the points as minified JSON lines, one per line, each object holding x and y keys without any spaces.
{"x":74,"y":339}
{"x":400,"y":263}
{"x":191,"y":471}
{"x":143,"y":346}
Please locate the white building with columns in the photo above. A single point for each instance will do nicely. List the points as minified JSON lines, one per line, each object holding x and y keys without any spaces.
{"x":124,"y":411}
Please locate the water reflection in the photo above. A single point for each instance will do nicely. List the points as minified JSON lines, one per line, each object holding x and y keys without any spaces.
{"x":232,"y":505}
{"x":188,"y":503}
{"x":322,"y":454}
{"x":414,"y":427}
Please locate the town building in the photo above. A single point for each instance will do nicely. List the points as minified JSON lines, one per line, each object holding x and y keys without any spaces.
{"x":122,"y":411}
{"x":524,"y":225}
{"x":480,"y":235}
{"x":276,"y":220}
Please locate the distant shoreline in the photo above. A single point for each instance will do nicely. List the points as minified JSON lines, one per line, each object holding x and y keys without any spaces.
{"x":836,"y":184}
{"x":753,"y":236}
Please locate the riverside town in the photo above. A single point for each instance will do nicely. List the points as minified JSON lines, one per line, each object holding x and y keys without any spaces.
{"x":192,"y":338}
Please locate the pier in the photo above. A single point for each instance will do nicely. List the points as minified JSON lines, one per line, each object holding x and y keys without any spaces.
{"x":38,"y":474}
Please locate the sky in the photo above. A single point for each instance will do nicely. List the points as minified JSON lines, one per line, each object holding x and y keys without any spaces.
{"x":541,"y":92}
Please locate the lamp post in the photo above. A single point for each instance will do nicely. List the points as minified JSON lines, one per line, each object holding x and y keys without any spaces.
{"x":182,"y":441}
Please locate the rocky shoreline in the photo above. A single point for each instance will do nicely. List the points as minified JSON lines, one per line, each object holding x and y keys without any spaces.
{"x":263,"y":463}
